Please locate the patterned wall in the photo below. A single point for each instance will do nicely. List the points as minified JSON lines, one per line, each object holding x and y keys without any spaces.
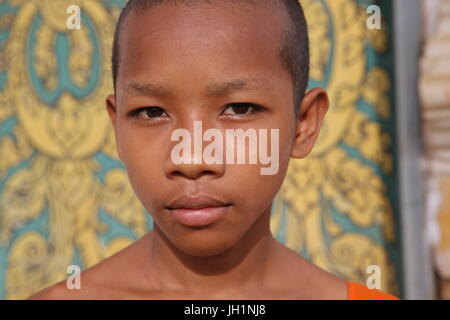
{"x":65,"y":197}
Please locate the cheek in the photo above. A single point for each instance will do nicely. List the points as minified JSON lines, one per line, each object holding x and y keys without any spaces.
{"x":143,"y":158}
{"x":253,"y":191}
{"x":142,"y":148}
{"x":265,"y":187}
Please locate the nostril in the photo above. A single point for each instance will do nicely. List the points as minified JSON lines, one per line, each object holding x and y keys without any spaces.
{"x":177,"y":173}
{"x":192,"y":175}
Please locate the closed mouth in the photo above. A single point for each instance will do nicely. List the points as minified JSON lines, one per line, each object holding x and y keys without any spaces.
{"x":197,"y":211}
{"x":197,"y":202}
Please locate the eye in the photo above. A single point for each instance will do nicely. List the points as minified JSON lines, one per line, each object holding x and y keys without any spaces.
{"x":148,"y":113}
{"x":242,"y":109}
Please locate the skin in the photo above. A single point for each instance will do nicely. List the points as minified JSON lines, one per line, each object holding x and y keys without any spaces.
{"x":237,"y":257}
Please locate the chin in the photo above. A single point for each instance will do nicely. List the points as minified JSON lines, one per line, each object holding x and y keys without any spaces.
{"x":203,"y":243}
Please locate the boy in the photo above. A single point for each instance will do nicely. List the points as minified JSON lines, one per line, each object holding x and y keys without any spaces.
{"x":228,"y":65}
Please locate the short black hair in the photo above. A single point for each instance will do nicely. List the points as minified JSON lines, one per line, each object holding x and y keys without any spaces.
{"x":294,"y":54}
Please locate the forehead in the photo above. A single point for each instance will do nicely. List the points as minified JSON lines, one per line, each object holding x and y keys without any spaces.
{"x":184,"y":19}
{"x":226,"y":38}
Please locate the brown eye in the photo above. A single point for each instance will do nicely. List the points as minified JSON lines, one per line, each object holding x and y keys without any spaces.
{"x":153,"y":112}
{"x":241,"y":109}
{"x":148,"y":113}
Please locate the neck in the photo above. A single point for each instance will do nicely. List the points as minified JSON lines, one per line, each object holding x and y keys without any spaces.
{"x":242,"y":267}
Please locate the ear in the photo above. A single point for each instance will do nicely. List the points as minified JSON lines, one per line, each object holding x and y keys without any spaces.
{"x":112,"y":111}
{"x":313,"y":108}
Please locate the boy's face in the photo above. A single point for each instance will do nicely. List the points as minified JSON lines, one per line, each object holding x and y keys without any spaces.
{"x":186,"y":54}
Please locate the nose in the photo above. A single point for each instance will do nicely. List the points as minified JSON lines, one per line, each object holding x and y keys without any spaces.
{"x":194,"y":171}
{"x":186,"y":158}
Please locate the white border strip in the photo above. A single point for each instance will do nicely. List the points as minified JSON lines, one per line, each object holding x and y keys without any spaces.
{"x":417,"y":258}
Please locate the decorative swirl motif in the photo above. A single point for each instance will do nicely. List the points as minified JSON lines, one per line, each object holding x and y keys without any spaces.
{"x":65,"y":198}
{"x":55,"y":209}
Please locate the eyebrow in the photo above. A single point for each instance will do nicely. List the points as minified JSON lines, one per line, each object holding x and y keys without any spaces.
{"x":214,"y":89}
{"x":222,"y":89}
{"x":147,"y":89}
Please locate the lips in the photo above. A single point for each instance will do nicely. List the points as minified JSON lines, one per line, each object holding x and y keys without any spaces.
{"x":197,"y":211}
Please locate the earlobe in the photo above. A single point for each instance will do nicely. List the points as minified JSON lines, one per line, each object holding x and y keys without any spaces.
{"x":312,"y":112}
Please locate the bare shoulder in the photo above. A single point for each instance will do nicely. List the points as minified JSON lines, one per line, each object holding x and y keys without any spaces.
{"x":111,"y":278}
{"x":329,"y":286}
{"x":311,"y":281}
{"x":90,"y":287}
{"x":58,"y":291}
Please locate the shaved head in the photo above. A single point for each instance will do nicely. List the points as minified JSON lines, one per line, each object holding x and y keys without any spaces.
{"x":294,"y":46}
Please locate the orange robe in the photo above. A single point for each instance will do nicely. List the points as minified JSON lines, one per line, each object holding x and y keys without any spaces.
{"x":358,"y":291}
